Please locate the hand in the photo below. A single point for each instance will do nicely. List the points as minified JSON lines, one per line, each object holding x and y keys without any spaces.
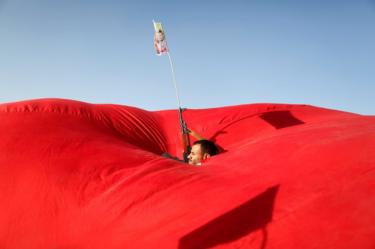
{"x":196,"y":135}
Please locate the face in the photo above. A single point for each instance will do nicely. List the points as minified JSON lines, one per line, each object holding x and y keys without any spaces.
{"x":196,"y":155}
{"x":159,"y":36}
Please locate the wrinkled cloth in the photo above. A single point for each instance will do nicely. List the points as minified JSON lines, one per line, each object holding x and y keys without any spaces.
{"x":80,"y":175}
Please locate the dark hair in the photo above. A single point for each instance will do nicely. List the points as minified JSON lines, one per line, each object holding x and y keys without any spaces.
{"x":207,"y":146}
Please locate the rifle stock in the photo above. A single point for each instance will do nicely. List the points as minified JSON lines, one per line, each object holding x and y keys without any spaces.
{"x":184,"y":136}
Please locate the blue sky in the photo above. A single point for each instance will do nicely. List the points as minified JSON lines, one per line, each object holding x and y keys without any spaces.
{"x":225,"y":52}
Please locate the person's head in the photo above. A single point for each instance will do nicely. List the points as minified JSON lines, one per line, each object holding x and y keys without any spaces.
{"x":201,"y":150}
{"x":159,"y":36}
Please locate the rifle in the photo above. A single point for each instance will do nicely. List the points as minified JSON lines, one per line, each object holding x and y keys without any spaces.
{"x":184,"y":136}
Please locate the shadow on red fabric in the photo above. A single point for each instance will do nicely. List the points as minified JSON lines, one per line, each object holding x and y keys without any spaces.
{"x":252,"y":215}
{"x":280,"y":119}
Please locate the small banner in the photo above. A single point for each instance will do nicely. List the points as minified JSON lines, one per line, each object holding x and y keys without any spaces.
{"x":160,"y":42}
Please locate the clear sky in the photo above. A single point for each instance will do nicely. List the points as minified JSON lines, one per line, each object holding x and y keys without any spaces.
{"x":318,"y":52}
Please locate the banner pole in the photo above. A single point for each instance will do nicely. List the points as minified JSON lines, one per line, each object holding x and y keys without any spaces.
{"x":174,"y":81}
{"x":183,"y":126}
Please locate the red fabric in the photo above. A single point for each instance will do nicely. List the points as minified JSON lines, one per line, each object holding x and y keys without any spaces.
{"x":78,"y":175}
